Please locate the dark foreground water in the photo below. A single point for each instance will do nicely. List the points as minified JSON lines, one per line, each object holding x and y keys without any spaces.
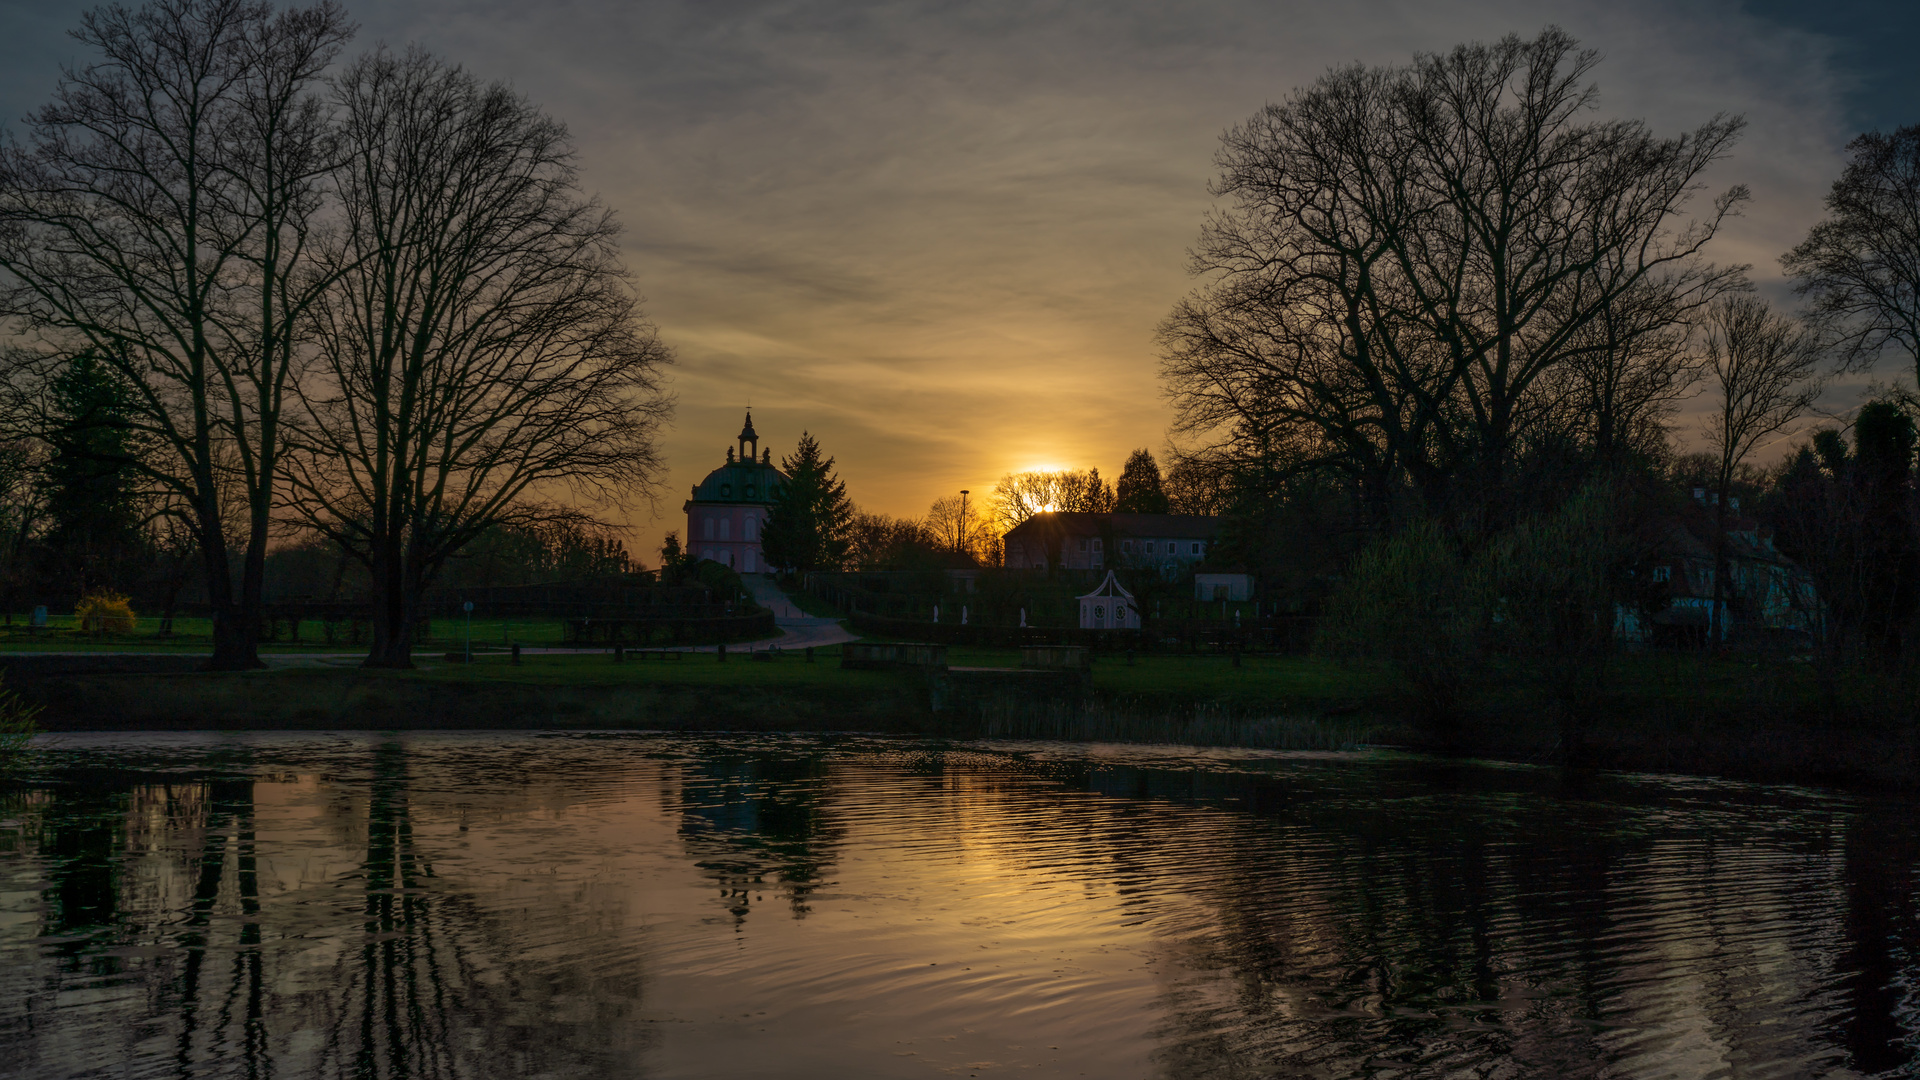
{"x":578,"y":906}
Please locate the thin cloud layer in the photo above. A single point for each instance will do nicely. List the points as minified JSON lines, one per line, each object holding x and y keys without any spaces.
{"x":939,"y":235}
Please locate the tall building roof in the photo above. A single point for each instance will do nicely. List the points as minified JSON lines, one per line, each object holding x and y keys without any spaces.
{"x":744,"y":480}
{"x":749,"y":482}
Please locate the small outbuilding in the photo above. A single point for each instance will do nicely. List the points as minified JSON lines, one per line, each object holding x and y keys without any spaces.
{"x":1109,"y":607}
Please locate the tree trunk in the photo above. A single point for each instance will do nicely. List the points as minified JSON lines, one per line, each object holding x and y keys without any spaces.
{"x":236,"y":625}
{"x":1716,"y":628}
{"x":393,"y":614}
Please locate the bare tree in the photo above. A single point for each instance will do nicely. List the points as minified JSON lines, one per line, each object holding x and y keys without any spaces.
{"x":1198,"y":484}
{"x":1764,"y":370}
{"x":1019,"y":496}
{"x":1411,"y":253}
{"x":1617,"y":394}
{"x":884,"y":542}
{"x":956,"y":523}
{"x":481,"y":358}
{"x":161,"y":216}
{"x":1860,"y":268}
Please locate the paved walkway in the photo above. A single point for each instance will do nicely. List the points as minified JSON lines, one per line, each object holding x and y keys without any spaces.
{"x":797,"y":629}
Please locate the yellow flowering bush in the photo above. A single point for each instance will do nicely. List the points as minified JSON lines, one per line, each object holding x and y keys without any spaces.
{"x":104,"y":612}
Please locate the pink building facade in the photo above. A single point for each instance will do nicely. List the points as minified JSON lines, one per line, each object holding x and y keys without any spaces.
{"x":729,"y":508}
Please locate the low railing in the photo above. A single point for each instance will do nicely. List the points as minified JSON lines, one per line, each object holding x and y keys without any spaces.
{"x":1287,"y":634}
{"x":644,"y":632}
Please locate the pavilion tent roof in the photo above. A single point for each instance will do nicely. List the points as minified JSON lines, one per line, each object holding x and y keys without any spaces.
{"x":1109,"y":587}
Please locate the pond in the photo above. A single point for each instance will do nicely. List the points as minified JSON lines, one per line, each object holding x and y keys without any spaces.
{"x":576,"y":905}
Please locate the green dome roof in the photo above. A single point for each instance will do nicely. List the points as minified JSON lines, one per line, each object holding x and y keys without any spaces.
{"x":747,"y":482}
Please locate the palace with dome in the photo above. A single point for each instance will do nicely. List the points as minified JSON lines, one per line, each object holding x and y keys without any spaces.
{"x":729,"y":508}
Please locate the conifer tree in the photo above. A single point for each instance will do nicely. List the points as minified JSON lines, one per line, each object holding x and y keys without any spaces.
{"x":1139,"y":490}
{"x":808,"y":528}
{"x":94,"y":533}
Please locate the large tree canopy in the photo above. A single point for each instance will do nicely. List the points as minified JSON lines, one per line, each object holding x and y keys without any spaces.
{"x":1860,"y":268}
{"x":1422,"y":271}
{"x":480,"y":358}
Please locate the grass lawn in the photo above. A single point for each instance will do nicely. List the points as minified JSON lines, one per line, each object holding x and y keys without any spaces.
{"x":63,"y":635}
{"x":690,"y":669}
{"x":1280,"y":683}
{"x":812,"y":605}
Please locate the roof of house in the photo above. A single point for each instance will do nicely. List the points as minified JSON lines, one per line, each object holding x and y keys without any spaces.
{"x":1149,"y":526}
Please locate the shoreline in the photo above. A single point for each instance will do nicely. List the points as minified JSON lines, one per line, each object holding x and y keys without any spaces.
{"x":1664,"y":737}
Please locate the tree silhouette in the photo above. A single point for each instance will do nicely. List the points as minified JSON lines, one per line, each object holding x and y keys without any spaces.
{"x":1139,"y":490}
{"x":808,"y":526}
{"x":1860,"y":267}
{"x":162,"y":214}
{"x":480,"y":352}
{"x":1413,"y":256}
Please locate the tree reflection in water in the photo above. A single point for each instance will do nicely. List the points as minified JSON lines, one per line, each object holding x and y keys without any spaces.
{"x":155,"y":888}
{"x":1441,"y":922}
{"x":465,"y":905}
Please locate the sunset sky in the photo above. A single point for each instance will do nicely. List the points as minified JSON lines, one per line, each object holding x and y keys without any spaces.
{"x":939,"y":234}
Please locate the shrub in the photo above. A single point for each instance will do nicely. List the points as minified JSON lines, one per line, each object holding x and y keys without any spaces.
{"x":104,"y":612}
{"x":1412,"y":603}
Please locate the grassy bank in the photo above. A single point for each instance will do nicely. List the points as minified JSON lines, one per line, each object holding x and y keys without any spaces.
{"x":1655,"y":713}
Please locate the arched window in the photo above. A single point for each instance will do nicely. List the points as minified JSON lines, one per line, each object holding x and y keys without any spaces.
{"x":752,"y":526}
{"x":706,"y":530}
{"x":726,"y":529}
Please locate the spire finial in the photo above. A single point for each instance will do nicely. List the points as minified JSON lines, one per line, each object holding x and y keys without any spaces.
{"x":748,"y":435}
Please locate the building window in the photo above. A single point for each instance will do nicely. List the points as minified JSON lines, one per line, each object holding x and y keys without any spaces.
{"x":726,"y":491}
{"x":706,"y":531}
{"x":749,"y":491}
{"x":726,"y":529}
{"x":1196,"y":549}
{"x":1096,"y":543}
{"x":1083,"y":544}
{"x":749,"y":560}
{"x":1147,"y":547}
{"x":1663,"y":573}
{"x":1126,"y":545}
{"x":749,"y":526}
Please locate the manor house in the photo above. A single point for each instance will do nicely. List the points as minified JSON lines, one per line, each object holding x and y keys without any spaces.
{"x":1170,"y":543}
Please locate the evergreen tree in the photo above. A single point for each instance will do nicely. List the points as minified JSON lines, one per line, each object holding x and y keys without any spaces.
{"x":1140,"y":490}
{"x":808,"y":527}
{"x":94,"y":536}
